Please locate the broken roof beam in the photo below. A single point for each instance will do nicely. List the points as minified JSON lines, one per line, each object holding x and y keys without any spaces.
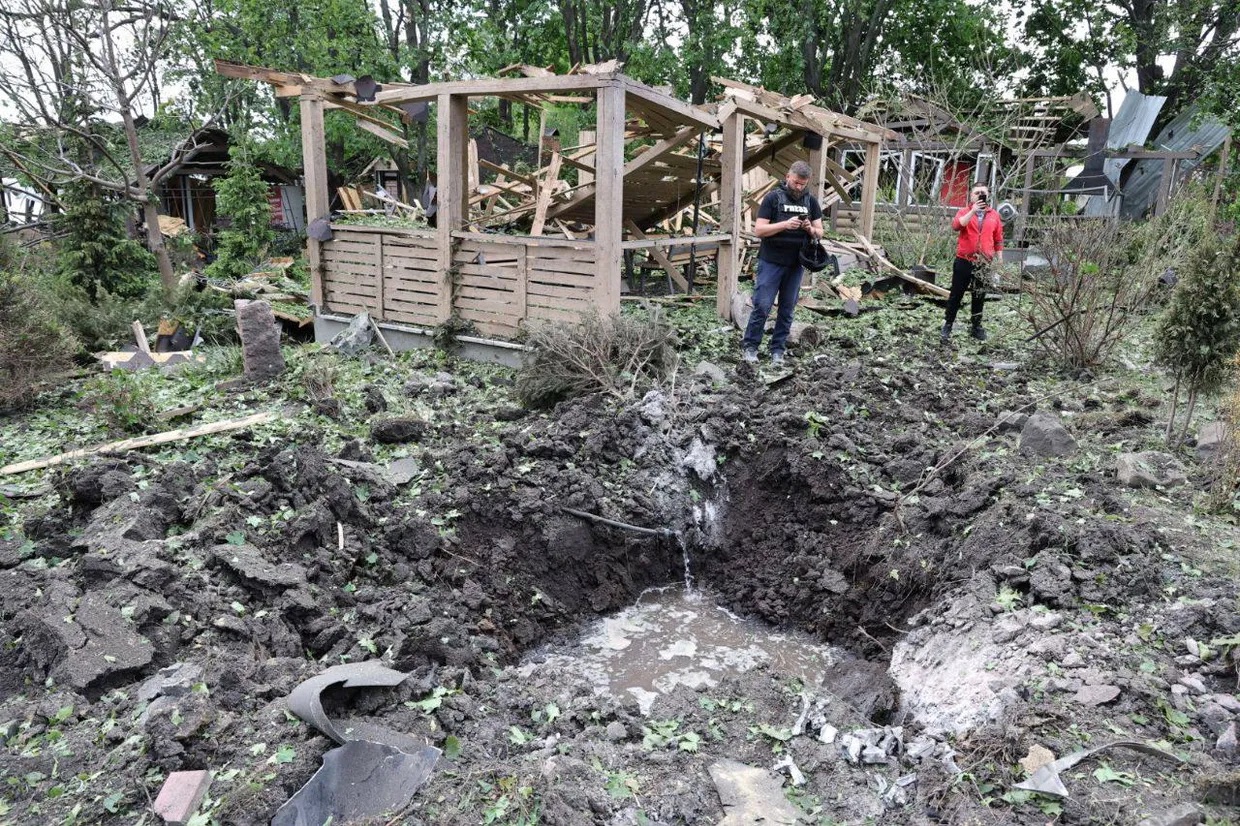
{"x":668,"y":106}
{"x":493,"y":86}
{"x":652,"y":153}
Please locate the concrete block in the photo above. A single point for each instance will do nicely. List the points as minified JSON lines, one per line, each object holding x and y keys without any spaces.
{"x":180,"y":795}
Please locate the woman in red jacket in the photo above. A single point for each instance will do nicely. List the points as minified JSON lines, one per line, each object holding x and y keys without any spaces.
{"x":980,"y":231}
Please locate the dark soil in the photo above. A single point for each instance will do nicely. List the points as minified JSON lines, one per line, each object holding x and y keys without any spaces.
{"x":156,"y":616}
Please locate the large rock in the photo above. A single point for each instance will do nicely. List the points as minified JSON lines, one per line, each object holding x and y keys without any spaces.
{"x":260,"y":339}
{"x":1149,"y":469}
{"x":1211,"y":439}
{"x":1044,"y":435}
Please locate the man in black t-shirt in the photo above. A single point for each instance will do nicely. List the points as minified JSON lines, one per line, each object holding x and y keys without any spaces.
{"x":787,"y":218}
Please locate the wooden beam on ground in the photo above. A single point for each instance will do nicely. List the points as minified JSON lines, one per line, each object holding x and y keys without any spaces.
{"x":140,"y":337}
{"x":658,"y":255}
{"x":142,"y":441}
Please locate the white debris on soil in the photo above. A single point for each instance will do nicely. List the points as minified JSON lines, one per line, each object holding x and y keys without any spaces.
{"x":701,"y":460}
{"x":672,"y":639}
{"x":954,"y":679}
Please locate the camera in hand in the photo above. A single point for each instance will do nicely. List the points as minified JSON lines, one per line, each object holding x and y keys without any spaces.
{"x":982,"y":197}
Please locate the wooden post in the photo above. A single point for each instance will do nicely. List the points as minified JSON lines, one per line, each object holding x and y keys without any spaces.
{"x":1169,"y":169}
{"x":380,"y":299}
{"x":453,"y":191}
{"x":609,"y":197}
{"x":1223,"y":163}
{"x":584,"y":137}
{"x":1026,"y":201}
{"x":835,"y":206}
{"x":904,"y":181}
{"x":869,"y":190}
{"x":818,"y":171}
{"x":318,"y":199}
{"x":730,"y":192}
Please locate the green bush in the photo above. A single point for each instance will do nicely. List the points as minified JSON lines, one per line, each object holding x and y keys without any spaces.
{"x":33,"y":345}
{"x":1088,"y":302}
{"x":1167,"y":241}
{"x":123,"y":401}
{"x":241,"y":196}
{"x":96,"y":253}
{"x":1198,"y":335}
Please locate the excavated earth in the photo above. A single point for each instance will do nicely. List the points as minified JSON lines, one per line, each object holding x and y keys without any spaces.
{"x":156,"y":615}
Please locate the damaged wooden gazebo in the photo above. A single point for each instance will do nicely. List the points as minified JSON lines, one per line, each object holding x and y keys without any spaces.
{"x":550,"y":244}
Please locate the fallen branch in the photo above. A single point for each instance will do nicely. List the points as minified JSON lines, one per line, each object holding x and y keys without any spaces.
{"x":876,"y":256}
{"x":142,"y":441}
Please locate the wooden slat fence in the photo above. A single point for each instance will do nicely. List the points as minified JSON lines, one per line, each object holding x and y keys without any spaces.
{"x":499,"y":283}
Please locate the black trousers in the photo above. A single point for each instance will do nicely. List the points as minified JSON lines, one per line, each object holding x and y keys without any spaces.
{"x":964,"y":273}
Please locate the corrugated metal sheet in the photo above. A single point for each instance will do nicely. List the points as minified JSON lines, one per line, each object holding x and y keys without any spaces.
{"x":1140,"y":190}
{"x":1131,"y":126}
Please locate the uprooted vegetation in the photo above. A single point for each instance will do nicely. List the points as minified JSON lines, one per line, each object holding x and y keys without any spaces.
{"x":614,"y":355}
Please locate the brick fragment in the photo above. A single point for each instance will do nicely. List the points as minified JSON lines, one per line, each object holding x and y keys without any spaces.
{"x":180,"y":795}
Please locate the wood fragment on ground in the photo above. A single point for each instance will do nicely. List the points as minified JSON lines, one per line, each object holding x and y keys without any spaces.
{"x":142,"y":441}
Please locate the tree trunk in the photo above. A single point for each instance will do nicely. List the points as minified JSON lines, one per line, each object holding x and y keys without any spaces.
{"x":1188,"y":415}
{"x":1175,"y":400}
{"x":150,"y":212}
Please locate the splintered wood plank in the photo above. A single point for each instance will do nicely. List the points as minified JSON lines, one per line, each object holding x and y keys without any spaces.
{"x":539,"y":291}
{"x":658,"y":255}
{"x":545,"y":190}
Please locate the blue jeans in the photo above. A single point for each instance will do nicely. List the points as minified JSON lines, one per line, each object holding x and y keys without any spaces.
{"x":773,"y":280}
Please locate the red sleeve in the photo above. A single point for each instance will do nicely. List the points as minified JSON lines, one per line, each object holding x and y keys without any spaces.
{"x":998,"y":235}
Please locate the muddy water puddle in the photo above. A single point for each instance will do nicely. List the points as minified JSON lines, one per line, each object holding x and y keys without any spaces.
{"x":671,"y":638}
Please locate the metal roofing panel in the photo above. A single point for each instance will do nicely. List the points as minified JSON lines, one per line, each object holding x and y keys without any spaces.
{"x":1131,"y":126}
{"x":1141,"y":188}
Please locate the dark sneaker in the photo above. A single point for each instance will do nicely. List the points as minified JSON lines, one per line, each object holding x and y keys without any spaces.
{"x":946,"y":334}
{"x":977,"y":332}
